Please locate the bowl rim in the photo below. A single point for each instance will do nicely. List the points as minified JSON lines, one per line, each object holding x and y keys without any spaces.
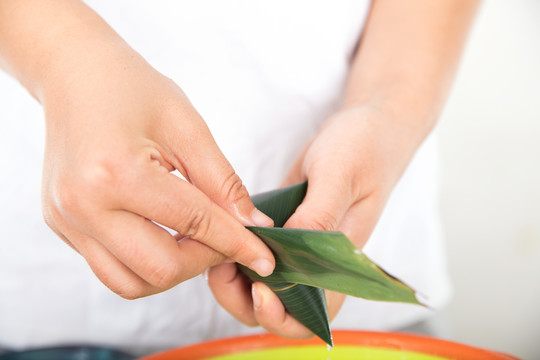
{"x":387,"y":340}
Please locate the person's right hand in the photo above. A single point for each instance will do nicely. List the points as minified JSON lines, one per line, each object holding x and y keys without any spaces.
{"x":116,"y":128}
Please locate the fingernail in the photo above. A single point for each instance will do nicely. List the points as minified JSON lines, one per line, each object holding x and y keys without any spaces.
{"x":262,"y":267}
{"x":205,"y":274}
{"x":260,"y":219}
{"x":257,"y":299}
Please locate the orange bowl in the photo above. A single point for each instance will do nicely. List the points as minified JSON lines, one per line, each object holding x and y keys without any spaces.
{"x":348,"y":345}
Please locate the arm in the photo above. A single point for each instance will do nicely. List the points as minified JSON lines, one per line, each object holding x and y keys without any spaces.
{"x":399,"y":79}
{"x":116,"y":128}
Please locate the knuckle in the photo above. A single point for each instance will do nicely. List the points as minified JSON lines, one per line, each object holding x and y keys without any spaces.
{"x":321,"y":219}
{"x":74,"y":195}
{"x":216,"y":258}
{"x":165,"y":275}
{"x":105,"y":176}
{"x":50,"y":215}
{"x":129,"y":287}
{"x":75,"y":191}
{"x":130,"y":291}
{"x":197,"y":223}
{"x":128,"y":295}
{"x":233,"y":189}
{"x":67,"y":199}
{"x":100,"y":176}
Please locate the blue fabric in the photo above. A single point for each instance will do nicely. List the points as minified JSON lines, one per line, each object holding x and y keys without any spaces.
{"x":68,"y":353}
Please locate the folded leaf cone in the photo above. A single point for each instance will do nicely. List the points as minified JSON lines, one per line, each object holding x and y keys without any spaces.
{"x":306,"y":304}
{"x":308,"y":261}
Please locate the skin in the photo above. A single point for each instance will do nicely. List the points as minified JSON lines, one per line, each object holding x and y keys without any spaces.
{"x":400,"y":77}
{"x":101,"y":98}
{"x":115,"y":129}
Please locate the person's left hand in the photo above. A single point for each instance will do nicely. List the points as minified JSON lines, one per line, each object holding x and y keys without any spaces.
{"x":351,"y":166}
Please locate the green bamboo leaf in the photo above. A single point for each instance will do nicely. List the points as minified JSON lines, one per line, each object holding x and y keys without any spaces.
{"x":330,"y":261}
{"x":305,"y":303}
{"x":280,"y":204}
{"x":308,"y":260}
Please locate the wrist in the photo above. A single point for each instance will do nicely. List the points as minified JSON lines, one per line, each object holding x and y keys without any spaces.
{"x":82,"y":64}
{"x":385,"y":135}
{"x":410,"y":116}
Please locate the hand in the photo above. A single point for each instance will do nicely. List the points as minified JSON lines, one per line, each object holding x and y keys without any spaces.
{"x":351,"y":166}
{"x":116,"y":128}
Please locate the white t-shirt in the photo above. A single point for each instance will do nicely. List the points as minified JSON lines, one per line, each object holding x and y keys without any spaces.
{"x":264,"y":75}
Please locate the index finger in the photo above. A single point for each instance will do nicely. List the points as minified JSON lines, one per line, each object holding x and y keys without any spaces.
{"x":177,"y":204}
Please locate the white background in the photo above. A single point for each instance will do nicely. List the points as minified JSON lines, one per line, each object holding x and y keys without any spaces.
{"x":490,"y":200}
{"x":490,"y":152}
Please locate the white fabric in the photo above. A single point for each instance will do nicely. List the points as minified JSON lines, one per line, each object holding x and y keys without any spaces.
{"x":264,"y":75}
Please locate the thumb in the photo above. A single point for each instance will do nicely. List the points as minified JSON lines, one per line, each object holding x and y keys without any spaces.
{"x":327,"y":200}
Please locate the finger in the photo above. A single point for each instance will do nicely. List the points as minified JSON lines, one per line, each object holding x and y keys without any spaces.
{"x":218,"y":180}
{"x":114,"y":274}
{"x":327,"y":200}
{"x":208,"y":169}
{"x":150,"y":251}
{"x":55,"y":222}
{"x":111,"y":272}
{"x":232,"y":290}
{"x":108,"y":269}
{"x":271,"y":315}
{"x":62,"y":237}
{"x":175,"y":203}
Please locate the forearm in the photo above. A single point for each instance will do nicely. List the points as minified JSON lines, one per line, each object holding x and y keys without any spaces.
{"x":44,"y":42}
{"x":407,"y":59}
